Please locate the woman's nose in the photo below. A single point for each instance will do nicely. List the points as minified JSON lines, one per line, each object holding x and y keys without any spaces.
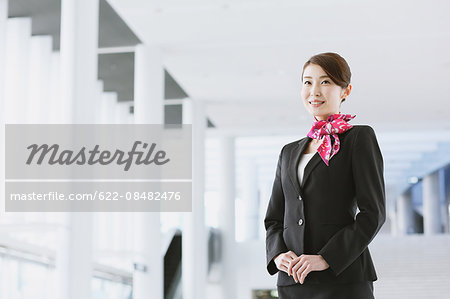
{"x":315,"y":91}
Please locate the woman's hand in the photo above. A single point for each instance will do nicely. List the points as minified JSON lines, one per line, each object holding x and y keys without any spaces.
{"x":300,"y":266}
{"x":283,"y":260}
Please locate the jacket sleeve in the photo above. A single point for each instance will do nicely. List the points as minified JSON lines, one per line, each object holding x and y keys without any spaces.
{"x":274,"y":221}
{"x":367,"y":166}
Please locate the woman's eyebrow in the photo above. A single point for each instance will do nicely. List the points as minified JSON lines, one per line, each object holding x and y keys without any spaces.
{"x":324,"y":76}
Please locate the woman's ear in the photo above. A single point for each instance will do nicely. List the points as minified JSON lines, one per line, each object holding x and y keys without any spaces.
{"x":347,"y":90}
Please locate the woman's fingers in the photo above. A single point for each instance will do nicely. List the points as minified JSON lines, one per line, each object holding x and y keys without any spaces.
{"x":304,"y":273}
{"x":285,"y":263}
{"x":294,"y":268}
{"x":292,"y":263}
{"x":291,"y":254}
{"x":303,"y":267}
{"x":295,"y":265}
{"x":299,"y":268}
{"x":283,"y":260}
{"x":291,"y":257}
{"x":301,"y":273}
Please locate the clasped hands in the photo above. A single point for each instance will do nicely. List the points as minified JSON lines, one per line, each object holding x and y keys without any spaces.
{"x":300,"y":266}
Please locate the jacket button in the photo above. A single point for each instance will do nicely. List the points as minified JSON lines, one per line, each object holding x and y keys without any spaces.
{"x":300,"y":222}
{"x":299,"y":197}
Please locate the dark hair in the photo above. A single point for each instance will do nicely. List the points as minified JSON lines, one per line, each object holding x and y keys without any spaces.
{"x":334,"y":65}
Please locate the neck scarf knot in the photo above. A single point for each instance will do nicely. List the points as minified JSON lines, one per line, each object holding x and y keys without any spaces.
{"x":325,"y":129}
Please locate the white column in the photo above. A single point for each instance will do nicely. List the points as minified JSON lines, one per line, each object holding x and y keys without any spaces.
{"x":98,"y":103}
{"x":148,"y":109}
{"x":148,"y":279}
{"x":79,"y":42}
{"x":443,"y":200}
{"x":108,"y":106}
{"x":62,"y":260}
{"x":194,"y":264}
{"x":227,"y":216}
{"x":405,"y":213}
{"x":74,"y":258}
{"x":149,"y":84}
{"x":17,"y":67}
{"x":447,"y":196}
{"x":250,"y":200}
{"x":3,"y":17}
{"x":38,"y":107}
{"x":431,"y":204}
{"x":122,"y":111}
{"x":56,"y":106}
{"x":391,"y":210}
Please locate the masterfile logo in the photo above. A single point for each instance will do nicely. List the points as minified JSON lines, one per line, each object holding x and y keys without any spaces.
{"x":98,"y":167}
{"x":53,"y":155}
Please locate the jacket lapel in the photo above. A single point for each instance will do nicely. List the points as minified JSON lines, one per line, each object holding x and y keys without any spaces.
{"x":310,"y":166}
{"x":316,"y":159}
{"x":295,"y":159}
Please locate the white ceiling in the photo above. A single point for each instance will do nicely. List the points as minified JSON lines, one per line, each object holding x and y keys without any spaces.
{"x":243,"y":58}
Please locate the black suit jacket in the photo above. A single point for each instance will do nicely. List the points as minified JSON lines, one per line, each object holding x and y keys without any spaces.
{"x":319,"y":217}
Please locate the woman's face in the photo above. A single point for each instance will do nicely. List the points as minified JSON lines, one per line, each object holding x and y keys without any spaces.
{"x":321,"y":96}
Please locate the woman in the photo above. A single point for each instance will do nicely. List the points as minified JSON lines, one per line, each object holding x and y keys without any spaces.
{"x":316,"y":240}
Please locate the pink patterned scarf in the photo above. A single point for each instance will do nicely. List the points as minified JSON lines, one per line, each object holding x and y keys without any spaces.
{"x":335,"y":124}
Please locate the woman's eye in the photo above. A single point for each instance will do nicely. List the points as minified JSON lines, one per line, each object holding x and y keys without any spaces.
{"x":307,"y":82}
{"x":325,"y":81}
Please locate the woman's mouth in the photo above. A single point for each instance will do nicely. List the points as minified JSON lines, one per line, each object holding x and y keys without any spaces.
{"x":316,"y":104}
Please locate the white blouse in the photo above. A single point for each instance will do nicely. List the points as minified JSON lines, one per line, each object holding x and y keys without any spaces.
{"x":304,"y":159}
